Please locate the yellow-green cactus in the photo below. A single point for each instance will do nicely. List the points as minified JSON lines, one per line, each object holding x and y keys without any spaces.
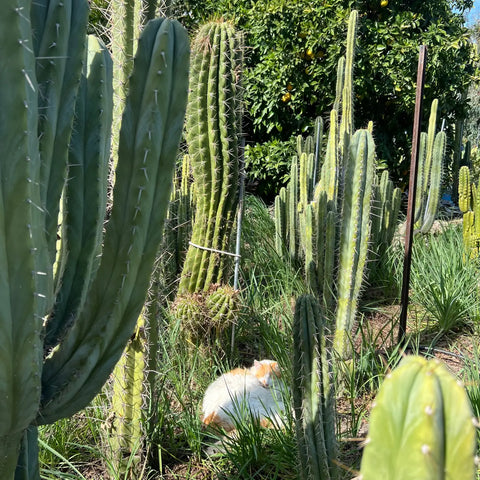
{"x":421,"y":426}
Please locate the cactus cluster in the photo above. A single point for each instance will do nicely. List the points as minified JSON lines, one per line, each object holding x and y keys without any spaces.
{"x":429,"y":174}
{"x":421,"y":426}
{"x":312,"y":392}
{"x":207,"y":316}
{"x":69,"y":314}
{"x":213,"y":129}
{"x":469,"y":204}
{"x":326,"y":223}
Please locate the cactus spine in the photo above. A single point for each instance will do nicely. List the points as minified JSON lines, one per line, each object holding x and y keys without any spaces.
{"x":214,"y":118}
{"x":313,"y":393}
{"x":421,"y":426}
{"x":40,"y":384}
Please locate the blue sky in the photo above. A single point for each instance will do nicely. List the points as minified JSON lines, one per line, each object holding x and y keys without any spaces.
{"x":474,"y":13}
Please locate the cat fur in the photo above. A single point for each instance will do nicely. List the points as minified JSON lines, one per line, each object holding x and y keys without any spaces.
{"x":254,"y":389}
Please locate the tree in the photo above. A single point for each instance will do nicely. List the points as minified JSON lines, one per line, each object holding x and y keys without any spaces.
{"x":292,"y":52}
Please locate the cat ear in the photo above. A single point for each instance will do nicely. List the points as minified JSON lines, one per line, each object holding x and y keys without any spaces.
{"x":256,"y":363}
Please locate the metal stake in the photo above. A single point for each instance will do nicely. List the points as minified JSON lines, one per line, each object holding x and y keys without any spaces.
{"x":412,"y":189}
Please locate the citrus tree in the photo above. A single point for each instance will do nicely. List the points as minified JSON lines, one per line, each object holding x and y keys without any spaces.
{"x":291,"y":58}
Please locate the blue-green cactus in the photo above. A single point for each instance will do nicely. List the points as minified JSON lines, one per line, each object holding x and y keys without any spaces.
{"x":64,"y":328}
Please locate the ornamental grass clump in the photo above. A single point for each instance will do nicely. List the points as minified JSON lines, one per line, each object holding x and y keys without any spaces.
{"x":444,"y":280}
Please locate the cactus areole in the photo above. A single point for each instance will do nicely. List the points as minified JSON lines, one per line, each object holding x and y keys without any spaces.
{"x":421,"y":426}
{"x":70,"y":305}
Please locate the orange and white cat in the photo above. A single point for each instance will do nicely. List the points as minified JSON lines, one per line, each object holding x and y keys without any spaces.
{"x":253,"y":390}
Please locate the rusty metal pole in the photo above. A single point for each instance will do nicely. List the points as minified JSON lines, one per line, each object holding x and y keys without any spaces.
{"x":412,"y":189}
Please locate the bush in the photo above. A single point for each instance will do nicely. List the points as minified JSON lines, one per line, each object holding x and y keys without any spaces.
{"x":268,"y":166}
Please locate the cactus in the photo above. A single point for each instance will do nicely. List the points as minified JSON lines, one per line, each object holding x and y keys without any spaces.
{"x":126,"y":434}
{"x":464,"y":189}
{"x":385,"y":210}
{"x":312,"y":392}
{"x":333,"y":215}
{"x":126,"y":19}
{"x":469,"y":203}
{"x":354,"y":234}
{"x":42,"y":382}
{"x":206,"y":316}
{"x":421,"y":426}
{"x":429,"y":176}
{"x":214,"y":117}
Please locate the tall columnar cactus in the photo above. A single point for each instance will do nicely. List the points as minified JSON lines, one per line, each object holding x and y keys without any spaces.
{"x":469,"y":204}
{"x":313,"y":395}
{"x":214,"y":117}
{"x":53,"y":363}
{"x":421,"y":426}
{"x":126,"y":19}
{"x":464,"y":189}
{"x":354,"y":233}
{"x":429,"y":176}
{"x":334,"y":215}
{"x":385,"y":210}
{"x":126,"y":435}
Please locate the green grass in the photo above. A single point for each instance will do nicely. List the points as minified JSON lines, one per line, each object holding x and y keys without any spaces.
{"x":175,"y":442}
{"x":444,"y":282}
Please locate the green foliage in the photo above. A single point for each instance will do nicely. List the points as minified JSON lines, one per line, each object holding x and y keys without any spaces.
{"x":421,"y":426}
{"x":268,"y":165}
{"x":387,"y":66}
{"x":292,"y":61}
{"x":444,"y":280}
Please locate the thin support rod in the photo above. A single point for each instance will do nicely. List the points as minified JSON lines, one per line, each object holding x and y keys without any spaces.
{"x":412,"y":189}
{"x":241,"y":196}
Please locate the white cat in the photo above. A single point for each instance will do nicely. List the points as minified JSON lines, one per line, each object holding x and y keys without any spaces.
{"x":252,"y":391}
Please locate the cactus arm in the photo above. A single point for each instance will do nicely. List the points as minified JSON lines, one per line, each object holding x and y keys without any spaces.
{"x":125,"y":17}
{"x":212,"y":119}
{"x":337,"y":104}
{"x":151,"y":128}
{"x":346,"y":124}
{"x":459,"y":427}
{"x":329,"y":178}
{"x":433,"y":199}
{"x":311,"y":391}
{"x":58,"y":69}
{"x":464,"y":189}
{"x":86,"y":190}
{"x":229,"y":130}
{"x":127,"y":399}
{"x":359,"y":172}
{"x":280,"y":222}
{"x":199,"y":146}
{"x":419,"y":197}
{"x":432,"y":125}
{"x":25,"y":280}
